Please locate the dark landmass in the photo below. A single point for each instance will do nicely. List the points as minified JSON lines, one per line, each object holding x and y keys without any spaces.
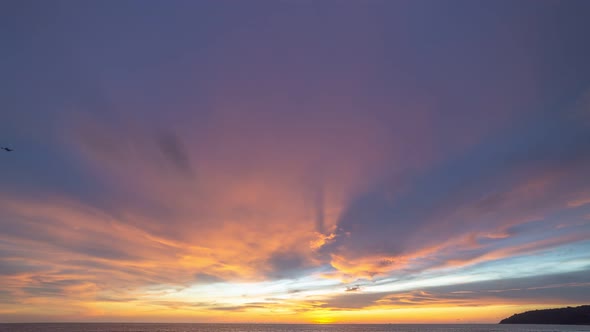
{"x":564,"y":316}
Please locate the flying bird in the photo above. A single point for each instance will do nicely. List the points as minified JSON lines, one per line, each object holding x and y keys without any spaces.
{"x":7,"y":149}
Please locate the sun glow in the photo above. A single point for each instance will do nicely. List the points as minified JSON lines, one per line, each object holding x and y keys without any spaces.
{"x":324,"y":320}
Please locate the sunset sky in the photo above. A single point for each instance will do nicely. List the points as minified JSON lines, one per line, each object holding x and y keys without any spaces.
{"x":298,"y":161}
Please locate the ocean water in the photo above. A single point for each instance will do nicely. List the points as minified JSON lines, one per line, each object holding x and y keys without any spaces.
{"x":130,"y":327}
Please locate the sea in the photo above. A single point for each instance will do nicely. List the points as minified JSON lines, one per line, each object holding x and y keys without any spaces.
{"x":144,"y":327}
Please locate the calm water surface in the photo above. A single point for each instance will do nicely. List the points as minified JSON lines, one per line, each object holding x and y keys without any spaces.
{"x":104,"y":327}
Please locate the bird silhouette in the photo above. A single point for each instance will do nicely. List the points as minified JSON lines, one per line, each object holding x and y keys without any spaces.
{"x":7,"y":149}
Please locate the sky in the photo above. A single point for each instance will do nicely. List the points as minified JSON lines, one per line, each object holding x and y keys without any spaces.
{"x":293,"y":161}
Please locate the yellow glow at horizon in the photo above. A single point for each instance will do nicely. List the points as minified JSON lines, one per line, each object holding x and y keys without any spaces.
{"x":130,"y":312}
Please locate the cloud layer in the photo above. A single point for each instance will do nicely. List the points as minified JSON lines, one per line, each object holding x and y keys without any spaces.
{"x":293,"y":162}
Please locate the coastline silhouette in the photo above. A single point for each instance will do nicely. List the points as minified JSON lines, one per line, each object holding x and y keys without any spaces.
{"x":559,"y":316}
